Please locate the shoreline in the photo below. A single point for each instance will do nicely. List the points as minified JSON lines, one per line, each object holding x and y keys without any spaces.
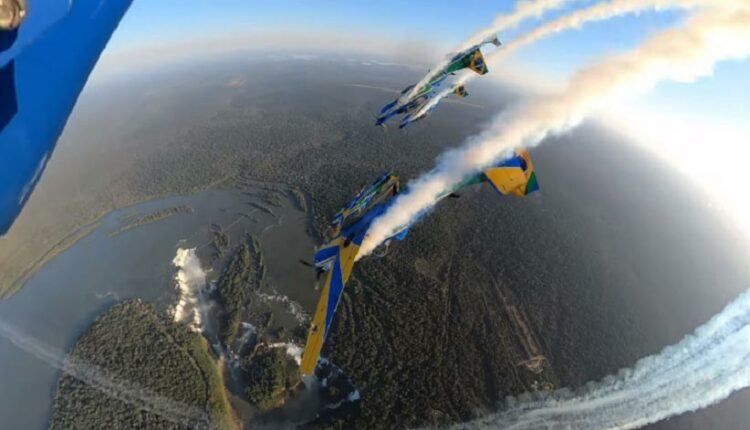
{"x":80,"y":232}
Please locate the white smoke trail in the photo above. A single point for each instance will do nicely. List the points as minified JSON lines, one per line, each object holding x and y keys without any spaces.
{"x":525,"y":9}
{"x":190,"y":279}
{"x":607,"y":10}
{"x":682,"y":54}
{"x":294,"y":308}
{"x":292,"y":350}
{"x":101,"y":380}
{"x":576,"y":20}
{"x":701,"y":370}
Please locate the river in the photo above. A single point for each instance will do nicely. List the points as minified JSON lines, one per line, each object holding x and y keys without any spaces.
{"x":42,"y":322}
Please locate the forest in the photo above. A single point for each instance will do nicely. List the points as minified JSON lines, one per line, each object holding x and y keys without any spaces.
{"x":136,"y":368}
{"x":240,"y":277}
{"x":420,"y":331}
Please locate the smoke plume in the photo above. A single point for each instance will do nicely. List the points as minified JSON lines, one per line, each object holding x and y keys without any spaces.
{"x":701,"y":370}
{"x":190,"y":279}
{"x":681,"y":54}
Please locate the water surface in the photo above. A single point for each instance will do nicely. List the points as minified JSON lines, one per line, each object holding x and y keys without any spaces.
{"x":63,"y":297}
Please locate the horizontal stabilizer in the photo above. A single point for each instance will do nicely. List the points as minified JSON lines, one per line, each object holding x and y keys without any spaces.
{"x":325,"y":256}
{"x":460,"y":91}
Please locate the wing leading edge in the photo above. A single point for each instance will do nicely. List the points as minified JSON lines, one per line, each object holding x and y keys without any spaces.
{"x":338,"y":257}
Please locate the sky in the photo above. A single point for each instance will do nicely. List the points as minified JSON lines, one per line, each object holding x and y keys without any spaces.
{"x":440,"y":24}
{"x":676,"y":121}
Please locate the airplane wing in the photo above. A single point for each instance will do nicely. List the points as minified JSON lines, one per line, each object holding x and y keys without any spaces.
{"x":338,"y":257}
{"x":44,"y":65}
{"x":337,"y":260}
{"x":513,"y":176}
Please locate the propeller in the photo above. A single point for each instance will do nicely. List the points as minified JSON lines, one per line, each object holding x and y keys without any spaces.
{"x":318,"y":271}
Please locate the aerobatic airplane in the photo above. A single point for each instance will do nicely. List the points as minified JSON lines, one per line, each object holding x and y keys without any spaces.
{"x":47,"y":51}
{"x":426,"y":106}
{"x":420,"y":107}
{"x":411,"y":98}
{"x":335,"y":260}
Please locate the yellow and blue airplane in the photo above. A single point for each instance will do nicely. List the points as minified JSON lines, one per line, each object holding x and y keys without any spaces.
{"x":411,"y":98}
{"x":514,"y":176}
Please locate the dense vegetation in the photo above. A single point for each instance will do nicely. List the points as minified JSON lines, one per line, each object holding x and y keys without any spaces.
{"x":271,"y":376}
{"x":220,"y":240}
{"x":421,"y":332}
{"x":242,"y":275}
{"x":135,"y":368}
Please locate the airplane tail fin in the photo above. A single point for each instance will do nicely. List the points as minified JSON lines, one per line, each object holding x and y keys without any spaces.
{"x":493,"y":40}
{"x":477,"y":63}
{"x":513,"y":176}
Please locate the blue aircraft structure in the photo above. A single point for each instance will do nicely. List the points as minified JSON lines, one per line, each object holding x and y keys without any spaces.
{"x":45,"y":60}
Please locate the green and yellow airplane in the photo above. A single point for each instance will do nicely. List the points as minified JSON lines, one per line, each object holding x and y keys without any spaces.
{"x":471,"y":58}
